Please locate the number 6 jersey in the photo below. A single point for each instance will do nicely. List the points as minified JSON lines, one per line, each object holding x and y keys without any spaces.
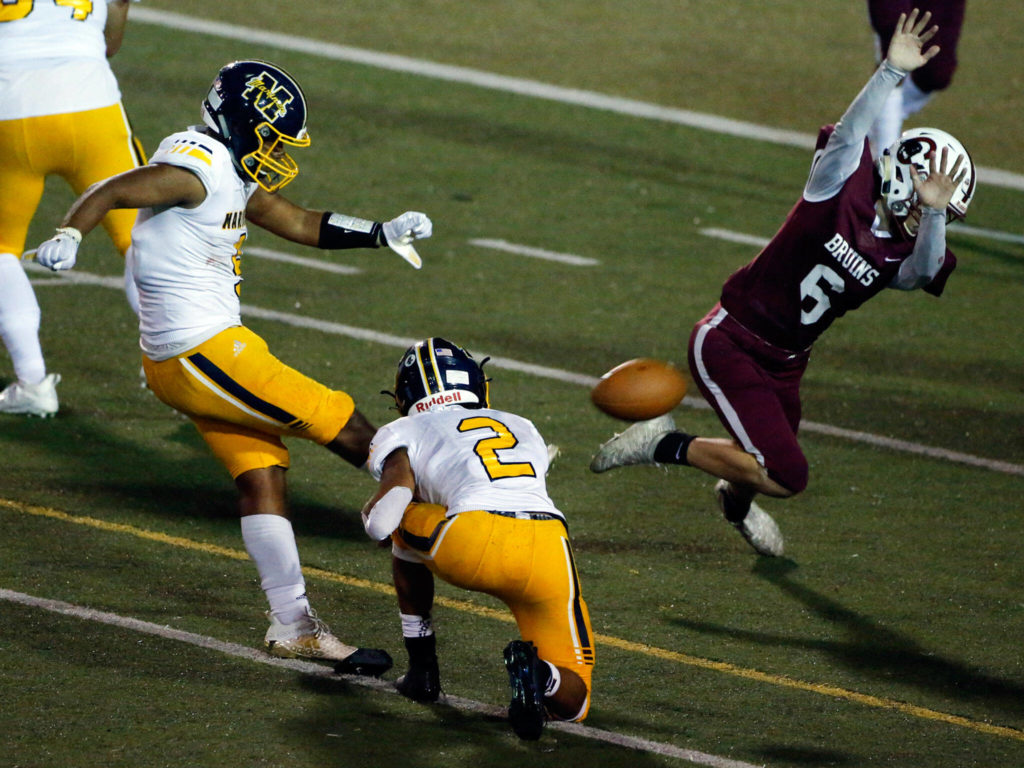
{"x":830,"y":255}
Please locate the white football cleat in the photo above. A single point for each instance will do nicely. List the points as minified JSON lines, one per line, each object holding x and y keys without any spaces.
{"x":311,"y":638}
{"x":31,"y":399}
{"x":308,"y":638}
{"x":634,"y":446}
{"x":757,"y":526}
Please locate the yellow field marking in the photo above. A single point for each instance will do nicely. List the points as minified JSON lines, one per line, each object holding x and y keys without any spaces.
{"x":479,"y":610}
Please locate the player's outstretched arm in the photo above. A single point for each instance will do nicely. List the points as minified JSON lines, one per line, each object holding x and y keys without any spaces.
{"x":145,"y":187}
{"x":933,"y":193}
{"x":333,"y":231}
{"x":842,"y":154}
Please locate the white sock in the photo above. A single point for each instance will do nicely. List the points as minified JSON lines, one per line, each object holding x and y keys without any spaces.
{"x":914,"y":98}
{"x":416,"y":626}
{"x":19,"y":321}
{"x":270,"y":541}
{"x":554,"y":682}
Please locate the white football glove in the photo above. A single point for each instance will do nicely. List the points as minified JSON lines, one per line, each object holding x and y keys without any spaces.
{"x":400,"y":233}
{"x":60,"y":251}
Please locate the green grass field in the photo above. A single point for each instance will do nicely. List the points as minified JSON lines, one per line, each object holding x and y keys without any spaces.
{"x":888,"y":636}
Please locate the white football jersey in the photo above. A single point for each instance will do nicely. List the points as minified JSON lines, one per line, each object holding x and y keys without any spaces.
{"x":53,"y":59}
{"x":470,"y":459}
{"x":186,"y":262}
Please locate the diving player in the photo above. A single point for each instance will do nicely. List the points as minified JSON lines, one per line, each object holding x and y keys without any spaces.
{"x":858,"y":228}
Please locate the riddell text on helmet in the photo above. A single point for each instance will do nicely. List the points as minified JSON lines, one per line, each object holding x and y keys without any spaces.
{"x":454,"y":397}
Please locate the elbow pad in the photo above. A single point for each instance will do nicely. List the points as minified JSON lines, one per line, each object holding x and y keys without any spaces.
{"x":386,"y":515}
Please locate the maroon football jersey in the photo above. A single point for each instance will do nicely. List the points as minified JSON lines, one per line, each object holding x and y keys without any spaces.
{"x":822,"y":263}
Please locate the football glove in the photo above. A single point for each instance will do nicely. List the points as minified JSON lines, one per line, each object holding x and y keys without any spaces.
{"x":401,"y":231}
{"x":60,"y":251}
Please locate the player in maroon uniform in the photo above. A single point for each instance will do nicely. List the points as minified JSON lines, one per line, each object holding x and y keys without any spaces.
{"x":917,"y":89}
{"x":858,"y":228}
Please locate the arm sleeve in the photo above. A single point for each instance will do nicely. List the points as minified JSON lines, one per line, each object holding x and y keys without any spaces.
{"x":929,"y":254}
{"x":833,"y":165}
{"x":387,"y":513}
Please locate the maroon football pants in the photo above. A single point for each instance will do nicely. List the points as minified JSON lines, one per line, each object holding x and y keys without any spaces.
{"x":754,"y":388}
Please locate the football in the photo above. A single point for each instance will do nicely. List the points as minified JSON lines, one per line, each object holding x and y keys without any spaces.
{"x":639,"y":389}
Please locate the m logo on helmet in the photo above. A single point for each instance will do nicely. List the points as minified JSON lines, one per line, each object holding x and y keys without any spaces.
{"x":268,"y":97}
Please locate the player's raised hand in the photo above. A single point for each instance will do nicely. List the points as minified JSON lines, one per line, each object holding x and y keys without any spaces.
{"x":907,"y":51}
{"x":936,"y":189}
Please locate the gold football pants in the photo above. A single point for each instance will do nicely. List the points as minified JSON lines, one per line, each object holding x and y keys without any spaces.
{"x":527,"y":564}
{"x":83,"y":147}
{"x":244,"y":400}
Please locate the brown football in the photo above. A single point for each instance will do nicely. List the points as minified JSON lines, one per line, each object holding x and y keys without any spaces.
{"x":639,"y":389}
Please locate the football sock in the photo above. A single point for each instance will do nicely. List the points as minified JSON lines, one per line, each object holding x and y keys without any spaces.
{"x":734,"y":509}
{"x":270,"y":541}
{"x":19,"y":321}
{"x":671,"y":449}
{"x":422,"y":650}
{"x":416,"y":626}
{"x":554,"y":679}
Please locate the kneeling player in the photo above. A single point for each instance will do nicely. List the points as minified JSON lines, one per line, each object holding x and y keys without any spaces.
{"x":481,"y":520}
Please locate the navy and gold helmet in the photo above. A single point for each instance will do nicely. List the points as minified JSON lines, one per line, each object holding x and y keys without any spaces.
{"x":434,"y":373}
{"x":256,"y":109}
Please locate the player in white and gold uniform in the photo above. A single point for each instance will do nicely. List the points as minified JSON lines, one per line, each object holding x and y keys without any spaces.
{"x":60,"y":114}
{"x":482,"y":520}
{"x":201,"y":189}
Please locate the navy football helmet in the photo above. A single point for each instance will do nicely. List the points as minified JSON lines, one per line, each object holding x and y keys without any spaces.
{"x":435,"y":373}
{"x":256,"y":109}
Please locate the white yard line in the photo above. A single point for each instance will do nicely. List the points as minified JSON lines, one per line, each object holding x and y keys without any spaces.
{"x":523,"y":87}
{"x":537,"y":253}
{"x":321,"y":670}
{"x":991,"y":234}
{"x":302,"y":261}
{"x":754,"y":241}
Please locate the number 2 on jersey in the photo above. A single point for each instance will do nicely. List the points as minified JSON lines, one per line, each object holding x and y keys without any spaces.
{"x":19,"y":9}
{"x":487,"y":448}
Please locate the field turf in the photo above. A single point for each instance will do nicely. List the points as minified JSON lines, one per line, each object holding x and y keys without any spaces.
{"x":889,"y":635}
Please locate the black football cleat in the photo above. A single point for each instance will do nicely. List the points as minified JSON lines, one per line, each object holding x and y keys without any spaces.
{"x":526,"y":711}
{"x":366,"y":662}
{"x":422,"y":683}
